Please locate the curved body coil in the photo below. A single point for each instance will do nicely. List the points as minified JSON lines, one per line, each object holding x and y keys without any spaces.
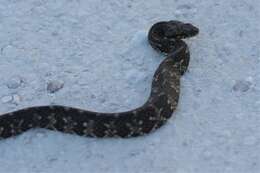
{"x":163,"y":36}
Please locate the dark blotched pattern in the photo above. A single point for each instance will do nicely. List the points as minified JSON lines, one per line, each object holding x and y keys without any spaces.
{"x":163,"y":36}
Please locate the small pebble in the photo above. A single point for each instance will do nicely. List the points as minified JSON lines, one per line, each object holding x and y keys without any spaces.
{"x":242,"y":85}
{"x":54,"y":86}
{"x":14,"y":83}
{"x":16,"y":99}
{"x":6,"y":99}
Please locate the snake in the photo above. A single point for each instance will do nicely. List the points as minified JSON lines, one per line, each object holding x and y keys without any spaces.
{"x":166,"y":38}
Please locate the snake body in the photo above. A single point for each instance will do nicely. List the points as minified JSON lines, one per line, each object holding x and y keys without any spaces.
{"x":163,"y":36}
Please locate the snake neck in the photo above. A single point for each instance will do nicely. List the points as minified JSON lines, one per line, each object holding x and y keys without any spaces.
{"x":165,"y":85}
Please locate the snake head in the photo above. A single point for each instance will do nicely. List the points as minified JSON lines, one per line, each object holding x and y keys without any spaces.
{"x":179,"y":30}
{"x":165,"y":36}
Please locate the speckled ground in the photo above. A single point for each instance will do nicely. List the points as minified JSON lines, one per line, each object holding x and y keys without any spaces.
{"x":94,"y":55}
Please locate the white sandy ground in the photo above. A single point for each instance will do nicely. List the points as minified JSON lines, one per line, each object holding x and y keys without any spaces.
{"x":97,"y":53}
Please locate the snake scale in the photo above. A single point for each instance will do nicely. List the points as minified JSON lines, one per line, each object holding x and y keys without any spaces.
{"x":166,"y":37}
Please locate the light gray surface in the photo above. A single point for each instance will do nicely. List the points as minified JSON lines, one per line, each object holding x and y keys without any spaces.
{"x":97,"y":50}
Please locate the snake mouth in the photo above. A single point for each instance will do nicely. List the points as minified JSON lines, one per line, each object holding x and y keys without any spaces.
{"x":179,"y":30}
{"x":189,"y":30}
{"x":166,"y":35}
